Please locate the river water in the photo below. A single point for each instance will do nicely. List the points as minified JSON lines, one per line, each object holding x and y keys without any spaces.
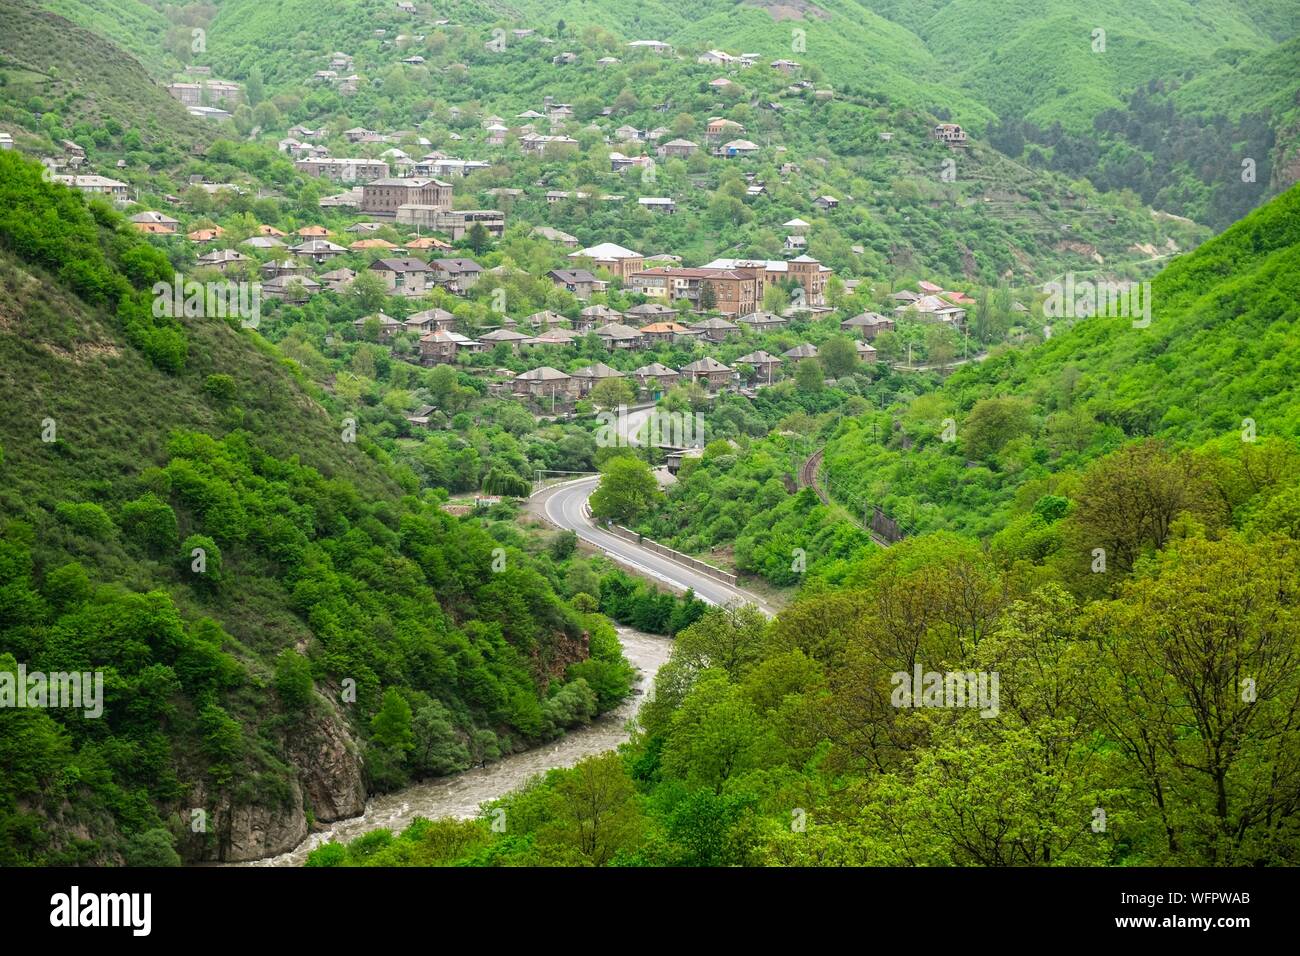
{"x":460,"y":795}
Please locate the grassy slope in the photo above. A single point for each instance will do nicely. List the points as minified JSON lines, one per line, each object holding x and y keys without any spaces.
{"x":135,"y":26}
{"x":1266,"y":80}
{"x":1036,"y":59}
{"x":50,"y":57}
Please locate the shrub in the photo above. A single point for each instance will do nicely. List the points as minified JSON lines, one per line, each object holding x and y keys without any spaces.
{"x":154,"y":847}
{"x":86,"y":518}
{"x":293,"y":680}
{"x":331,"y":854}
{"x":150,"y":522}
{"x":220,"y":387}
{"x":68,"y":586}
{"x":200,"y":561}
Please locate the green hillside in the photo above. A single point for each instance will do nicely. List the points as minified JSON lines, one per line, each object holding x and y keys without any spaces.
{"x":143,"y":30}
{"x":1036,"y":89}
{"x":1252,"y":82}
{"x":847,"y":44}
{"x":1010,"y":57}
{"x":1043,"y":66}
{"x":1147,"y":113}
{"x":283,"y":620}
{"x":85,"y":88}
{"x":1033,"y":85}
{"x":996,"y":218}
{"x":1222,"y":347}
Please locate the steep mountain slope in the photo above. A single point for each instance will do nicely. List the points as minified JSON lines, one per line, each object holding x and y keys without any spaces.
{"x":1267,"y":79}
{"x":84,"y":86}
{"x":282,"y":622}
{"x":138,"y":27}
{"x":845,"y":44}
{"x":970,"y":57}
{"x":1265,"y":82}
{"x":1055,"y":66}
{"x":1042,"y":67}
{"x":1037,"y":60}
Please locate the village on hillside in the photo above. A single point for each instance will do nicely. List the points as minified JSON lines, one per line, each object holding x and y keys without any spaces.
{"x":559,"y":312}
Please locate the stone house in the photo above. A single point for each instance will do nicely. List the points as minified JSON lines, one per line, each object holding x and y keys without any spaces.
{"x":709,"y":372}
{"x":409,"y":277}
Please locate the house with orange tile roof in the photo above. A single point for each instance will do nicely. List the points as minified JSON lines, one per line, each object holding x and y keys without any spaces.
{"x":668,"y":332}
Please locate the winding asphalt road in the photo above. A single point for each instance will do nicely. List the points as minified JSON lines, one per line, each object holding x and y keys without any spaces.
{"x":562,"y":505}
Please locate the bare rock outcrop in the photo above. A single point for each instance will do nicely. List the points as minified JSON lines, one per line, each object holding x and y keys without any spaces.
{"x":329,"y":765}
{"x":234,"y":832}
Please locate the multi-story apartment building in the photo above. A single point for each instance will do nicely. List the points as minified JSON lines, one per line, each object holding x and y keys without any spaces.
{"x":951,"y":134}
{"x":96,"y":186}
{"x":384,"y":197}
{"x":209,"y":92}
{"x":342,"y":169}
{"x":729,"y":291}
{"x":611,"y":257}
{"x":810,"y":275}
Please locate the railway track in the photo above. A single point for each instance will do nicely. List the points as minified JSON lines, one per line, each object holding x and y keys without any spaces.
{"x":808,"y":479}
{"x":808,"y":474}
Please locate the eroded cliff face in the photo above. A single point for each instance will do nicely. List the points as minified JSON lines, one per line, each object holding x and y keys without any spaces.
{"x":549,"y":662}
{"x":329,"y":765}
{"x":1286,"y":171}
{"x":325,"y":778}
{"x":251,"y":832}
{"x":235,"y":831}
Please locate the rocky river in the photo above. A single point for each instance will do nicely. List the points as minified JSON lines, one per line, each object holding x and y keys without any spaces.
{"x":461,"y":794}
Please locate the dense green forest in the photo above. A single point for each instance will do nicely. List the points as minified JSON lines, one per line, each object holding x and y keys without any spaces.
{"x":1213,"y":169}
